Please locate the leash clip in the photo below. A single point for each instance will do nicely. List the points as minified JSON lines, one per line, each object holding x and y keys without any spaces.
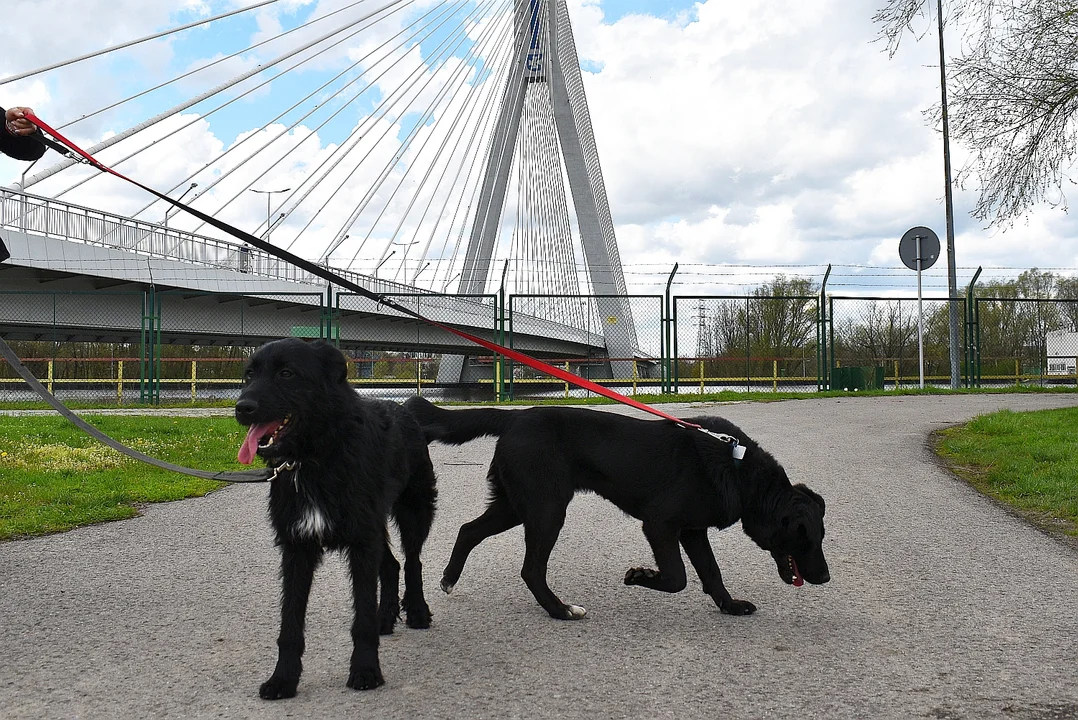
{"x":736,"y":448}
{"x":286,"y":467}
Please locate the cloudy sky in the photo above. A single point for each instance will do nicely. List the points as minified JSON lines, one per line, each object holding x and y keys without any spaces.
{"x":739,"y":140}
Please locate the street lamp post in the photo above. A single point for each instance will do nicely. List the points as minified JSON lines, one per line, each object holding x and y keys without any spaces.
{"x":378,"y":267}
{"x":952,"y":281}
{"x":269,"y":194}
{"x":174,"y":210}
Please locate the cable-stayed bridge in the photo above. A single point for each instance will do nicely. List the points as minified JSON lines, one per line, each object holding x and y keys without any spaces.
{"x":420,"y":148}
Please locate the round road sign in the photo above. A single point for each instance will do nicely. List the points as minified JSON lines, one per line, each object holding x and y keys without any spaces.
{"x":930,"y":248}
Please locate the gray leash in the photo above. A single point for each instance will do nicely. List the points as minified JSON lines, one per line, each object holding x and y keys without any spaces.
{"x":240,"y":476}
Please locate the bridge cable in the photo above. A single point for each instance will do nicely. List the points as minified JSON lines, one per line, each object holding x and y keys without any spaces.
{"x":399,"y":96}
{"x":475,"y":92}
{"x":201,"y":117}
{"x":464,"y":108}
{"x":443,"y":48}
{"x":406,"y":145}
{"x":338,"y":152}
{"x":357,"y":134}
{"x":249,"y":136}
{"x":193,"y":101}
{"x":210,"y":64}
{"x":486,"y":113}
{"x":31,"y":73}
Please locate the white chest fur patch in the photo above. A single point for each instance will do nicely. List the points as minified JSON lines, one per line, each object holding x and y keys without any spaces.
{"x":311,"y":524}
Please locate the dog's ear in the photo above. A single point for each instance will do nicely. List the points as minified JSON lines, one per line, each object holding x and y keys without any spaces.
{"x":333,"y":361}
{"x":812,"y":496}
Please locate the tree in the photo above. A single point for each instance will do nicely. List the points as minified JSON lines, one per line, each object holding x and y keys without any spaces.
{"x":781,"y":320}
{"x":1013,"y":95}
{"x":1067,"y":290}
{"x":777,"y":320}
{"x":884,"y":331}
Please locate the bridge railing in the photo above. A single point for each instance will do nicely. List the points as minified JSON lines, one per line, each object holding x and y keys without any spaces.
{"x":53,"y":218}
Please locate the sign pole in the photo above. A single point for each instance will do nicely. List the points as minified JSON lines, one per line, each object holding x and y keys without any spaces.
{"x":920,"y":318}
{"x":918,"y":249}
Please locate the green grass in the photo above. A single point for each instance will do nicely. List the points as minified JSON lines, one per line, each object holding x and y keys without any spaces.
{"x":53,"y":477}
{"x":1027,"y":460}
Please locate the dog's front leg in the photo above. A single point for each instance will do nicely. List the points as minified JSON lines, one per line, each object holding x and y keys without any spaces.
{"x":363,"y":562}
{"x":298,"y":563}
{"x":670,"y":576}
{"x":702,"y":558}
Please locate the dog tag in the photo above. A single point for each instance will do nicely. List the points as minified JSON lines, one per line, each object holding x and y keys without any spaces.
{"x":738,"y":450}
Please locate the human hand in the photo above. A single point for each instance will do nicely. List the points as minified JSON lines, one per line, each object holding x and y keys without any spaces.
{"x":16,"y":122}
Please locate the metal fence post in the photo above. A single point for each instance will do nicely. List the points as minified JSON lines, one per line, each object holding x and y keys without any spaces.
{"x":969,"y":339}
{"x":748,"y":351}
{"x":666,"y":347}
{"x":823,"y":376}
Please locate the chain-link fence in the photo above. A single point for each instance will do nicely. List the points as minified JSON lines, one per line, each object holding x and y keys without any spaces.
{"x":1024,"y":341}
{"x":745,"y":343}
{"x":125,"y":347}
{"x":79,"y":349}
{"x":879,"y":335}
{"x":404,"y":356}
{"x":615,"y":340}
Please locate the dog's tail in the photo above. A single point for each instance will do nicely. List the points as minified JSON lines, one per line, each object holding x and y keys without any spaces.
{"x":458,"y":426}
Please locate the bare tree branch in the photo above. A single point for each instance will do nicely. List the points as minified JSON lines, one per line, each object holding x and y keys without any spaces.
{"x":1014,"y":96}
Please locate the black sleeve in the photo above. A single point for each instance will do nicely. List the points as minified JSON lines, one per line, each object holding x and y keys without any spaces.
{"x":20,"y":147}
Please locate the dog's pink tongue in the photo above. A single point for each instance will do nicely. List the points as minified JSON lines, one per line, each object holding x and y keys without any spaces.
{"x":798,"y":580}
{"x":250,"y":443}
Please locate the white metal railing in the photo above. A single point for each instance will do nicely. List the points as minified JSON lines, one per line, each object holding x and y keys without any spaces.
{"x":58,"y":219}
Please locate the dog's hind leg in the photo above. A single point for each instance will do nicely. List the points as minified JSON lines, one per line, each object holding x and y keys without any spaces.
{"x":364,"y":562}
{"x":298,"y":563}
{"x":389,"y":602}
{"x":498,"y":517}
{"x":670,"y":577}
{"x":700,"y":554}
{"x":540,"y":534}
{"x":414,"y":514}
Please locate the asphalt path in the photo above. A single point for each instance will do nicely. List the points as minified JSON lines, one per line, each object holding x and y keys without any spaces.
{"x":941,"y":605}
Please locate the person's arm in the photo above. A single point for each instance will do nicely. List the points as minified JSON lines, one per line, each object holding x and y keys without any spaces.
{"x":18,"y":137}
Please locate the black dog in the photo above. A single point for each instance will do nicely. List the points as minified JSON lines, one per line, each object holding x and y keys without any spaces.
{"x":343,"y":465}
{"x":679,"y":481}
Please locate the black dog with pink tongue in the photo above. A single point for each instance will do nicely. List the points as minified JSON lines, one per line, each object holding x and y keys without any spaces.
{"x":343,"y":465}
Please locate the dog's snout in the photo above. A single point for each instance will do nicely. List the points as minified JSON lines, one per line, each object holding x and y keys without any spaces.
{"x":245,"y":407}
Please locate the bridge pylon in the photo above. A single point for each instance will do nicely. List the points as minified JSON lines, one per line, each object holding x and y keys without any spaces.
{"x":546,"y":59}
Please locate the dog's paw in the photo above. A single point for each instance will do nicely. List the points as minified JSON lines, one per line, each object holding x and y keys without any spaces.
{"x":640,"y":576}
{"x":447,"y":587}
{"x":738,"y":607}
{"x":366,"y":678}
{"x":278,"y":688}
{"x":418,"y":616}
{"x":569,"y":612}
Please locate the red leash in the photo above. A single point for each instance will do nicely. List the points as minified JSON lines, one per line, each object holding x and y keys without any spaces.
{"x":329,"y":275}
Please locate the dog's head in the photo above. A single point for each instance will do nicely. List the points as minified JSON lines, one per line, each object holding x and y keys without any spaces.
{"x":287,"y":387}
{"x":794,"y":537}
